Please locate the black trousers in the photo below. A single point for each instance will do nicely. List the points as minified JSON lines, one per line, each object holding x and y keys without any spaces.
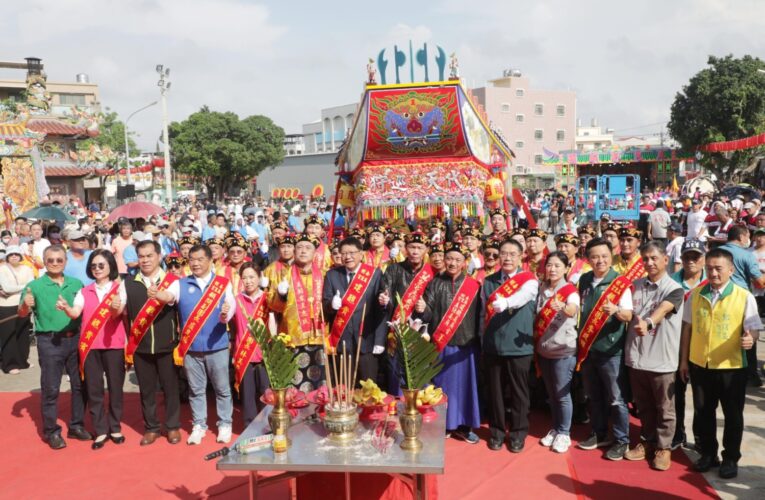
{"x":151,"y":369}
{"x":112,"y":363}
{"x":14,"y":340}
{"x":680,"y":434}
{"x":56,"y":354}
{"x":254,"y":384}
{"x":511,"y":372}
{"x":728,"y":389}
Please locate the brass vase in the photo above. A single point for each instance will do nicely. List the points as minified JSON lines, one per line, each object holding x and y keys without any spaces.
{"x":340,"y":422}
{"x":411,"y":421}
{"x":280,"y":417}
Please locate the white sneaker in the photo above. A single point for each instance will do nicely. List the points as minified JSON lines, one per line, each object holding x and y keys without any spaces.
{"x":548,"y":439}
{"x":197,"y":433}
{"x":224,"y":434}
{"x":561,"y":443}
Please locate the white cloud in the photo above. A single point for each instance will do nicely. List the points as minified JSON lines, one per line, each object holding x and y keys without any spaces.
{"x":232,"y":25}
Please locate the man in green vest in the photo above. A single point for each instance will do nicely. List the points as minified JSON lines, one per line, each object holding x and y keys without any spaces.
{"x":720,"y":323}
{"x":602,"y":353}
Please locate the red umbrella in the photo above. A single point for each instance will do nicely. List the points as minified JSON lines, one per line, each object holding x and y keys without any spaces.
{"x":135,"y":209}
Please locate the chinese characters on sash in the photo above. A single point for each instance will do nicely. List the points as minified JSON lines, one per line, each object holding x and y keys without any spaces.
{"x":509,"y":287}
{"x":353,"y":295}
{"x":598,"y":317}
{"x":94,"y":326}
{"x":199,"y":316}
{"x":456,"y":312}
{"x":247,"y":347}
{"x":307,"y":314}
{"x":145,"y":318}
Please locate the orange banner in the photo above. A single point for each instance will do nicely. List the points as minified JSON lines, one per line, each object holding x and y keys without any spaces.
{"x":306,"y":306}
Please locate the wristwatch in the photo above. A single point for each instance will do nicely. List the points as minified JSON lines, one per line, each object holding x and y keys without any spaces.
{"x":650,"y":323}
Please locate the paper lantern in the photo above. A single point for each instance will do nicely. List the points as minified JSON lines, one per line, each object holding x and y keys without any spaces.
{"x":296,"y":193}
{"x":345,"y":195}
{"x":317,"y":191}
{"x":494,"y":190}
{"x":275,"y":193}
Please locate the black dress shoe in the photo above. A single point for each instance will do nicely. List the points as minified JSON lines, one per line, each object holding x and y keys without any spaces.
{"x":516,"y":445}
{"x":705,"y":463}
{"x":728,"y":469}
{"x":117,"y":439}
{"x":97,"y":445}
{"x":79,"y":433}
{"x":495,"y":444}
{"x":56,"y":442}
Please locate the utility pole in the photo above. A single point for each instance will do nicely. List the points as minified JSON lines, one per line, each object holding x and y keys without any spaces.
{"x":127,"y":146}
{"x":164,"y":86}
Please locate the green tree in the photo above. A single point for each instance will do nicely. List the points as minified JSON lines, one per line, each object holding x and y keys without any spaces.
{"x":223,"y":152}
{"x":111,"y":134}
{"x":723,"y":102}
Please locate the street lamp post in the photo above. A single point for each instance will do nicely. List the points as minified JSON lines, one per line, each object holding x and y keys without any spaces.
{"x":164,"y":86}
{"x":127,"y":145}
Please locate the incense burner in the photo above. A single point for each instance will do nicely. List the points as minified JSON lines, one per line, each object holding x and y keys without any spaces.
{"x":341,"y":421}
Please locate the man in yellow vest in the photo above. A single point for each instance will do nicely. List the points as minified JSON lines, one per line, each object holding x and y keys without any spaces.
{"x":719,"y":324}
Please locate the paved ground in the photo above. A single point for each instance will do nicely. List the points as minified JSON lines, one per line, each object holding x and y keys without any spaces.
{"x":750,"y":482}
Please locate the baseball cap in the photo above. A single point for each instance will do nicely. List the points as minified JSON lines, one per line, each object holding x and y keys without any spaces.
{"x":676,"y":227}
{"x":693,"y":245}
{"x":75,"y":235}
{"x":605,"y":216}
{"x":138,"y":235}
{"x":696,"y":201}
{"x":187,"y":229}
{"x":759,"y":230}
{"x":151,"y":229}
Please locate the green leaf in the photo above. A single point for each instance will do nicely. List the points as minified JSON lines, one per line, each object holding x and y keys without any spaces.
{"x":280,"y":362}
{"x":417,"y":358}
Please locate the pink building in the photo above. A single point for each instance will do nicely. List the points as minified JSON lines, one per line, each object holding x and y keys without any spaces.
{"x":531,"y":120}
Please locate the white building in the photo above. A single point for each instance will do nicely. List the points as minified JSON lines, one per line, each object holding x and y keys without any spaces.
{"x":593,"y":137}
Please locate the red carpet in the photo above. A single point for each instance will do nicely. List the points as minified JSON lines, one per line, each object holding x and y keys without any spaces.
{"x":31,"y":470}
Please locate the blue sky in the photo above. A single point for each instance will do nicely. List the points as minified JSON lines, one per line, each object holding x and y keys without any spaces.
{"x":287,"y":60}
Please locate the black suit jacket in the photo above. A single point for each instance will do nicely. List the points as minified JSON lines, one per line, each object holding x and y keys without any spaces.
{"x":375,"y":329}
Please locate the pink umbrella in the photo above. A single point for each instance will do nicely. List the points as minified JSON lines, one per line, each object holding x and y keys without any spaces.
{"x":134,"y":210}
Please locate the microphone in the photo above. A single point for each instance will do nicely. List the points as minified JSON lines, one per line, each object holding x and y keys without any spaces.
{"x":220,"y":453}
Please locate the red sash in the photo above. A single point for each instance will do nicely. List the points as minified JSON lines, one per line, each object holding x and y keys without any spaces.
{"x":372,"y":257}
{"x":356,"y":290}
{"x":247,"y":347}
{"x":456,"y":312}
{"x":306,"y":305}
{"x":509,"y":287}
{"x":233,"y":277}
{"x":577,"y":267}
{"x":95,"y":324}
{"x":547,"y":315}
{"x":414,"y":291}
{"x":320,"y":256}
{"x":598,"y":317}
{"x":689,"y":292}
{"x":145,"y":318}
{"x":636,"y":270}
{"x":199,"y":316}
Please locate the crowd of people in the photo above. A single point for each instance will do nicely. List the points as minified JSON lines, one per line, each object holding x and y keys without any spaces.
{"x":604,"y":317}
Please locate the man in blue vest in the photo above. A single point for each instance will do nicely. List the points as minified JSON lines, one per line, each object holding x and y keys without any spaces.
{"x":208,"y":355}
